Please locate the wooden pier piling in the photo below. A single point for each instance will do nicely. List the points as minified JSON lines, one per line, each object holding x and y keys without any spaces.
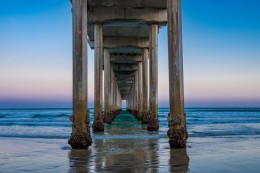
{"x":124,"y":35}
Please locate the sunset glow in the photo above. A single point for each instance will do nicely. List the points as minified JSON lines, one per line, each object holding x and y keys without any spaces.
{"x":221,"y":54}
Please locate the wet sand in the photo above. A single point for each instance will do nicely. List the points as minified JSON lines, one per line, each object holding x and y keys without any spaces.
{"x":131,"y":155}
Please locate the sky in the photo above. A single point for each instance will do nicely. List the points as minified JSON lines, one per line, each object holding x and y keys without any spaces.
{"x":221,"y":48}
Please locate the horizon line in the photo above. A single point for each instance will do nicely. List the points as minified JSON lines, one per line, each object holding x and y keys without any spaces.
{"x":190,"y":107}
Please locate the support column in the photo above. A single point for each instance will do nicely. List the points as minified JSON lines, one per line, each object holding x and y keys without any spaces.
{"x":176,"y":119}
{"x":145,"y":87}
{"x":118,"y":100}
{"x":120,"y":103}
{"x":136,"y":95}
{"x":140,"y":91}
{"x":129,"y":100}
{"x":153,"y":124}
{"x":132,"y":97}
{"x":115,"y":95}
{"x":107,"y":83}
{"x":80,"y":136}
{"x":98,"y":38}
{"x":111,"y":90}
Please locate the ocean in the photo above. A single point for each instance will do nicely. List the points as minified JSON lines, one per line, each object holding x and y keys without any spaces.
{"x":220,"y":140}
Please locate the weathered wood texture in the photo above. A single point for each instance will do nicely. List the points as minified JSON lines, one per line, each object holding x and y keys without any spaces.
{"x":124,"y":58}
{"x":148,"y":15}
{"x":107,"y":84}
{"x":80,"y":136}
{"x":115,"y":42}
{"x":140,"y":89}
{"x":145,"y":86}
{"x":136,"y":91}
{"x":177,"y":120}
{"x":112,"y":88}
{"x":98,"y":89}
{"x":129,"y":3}
{"x":153,"y":119}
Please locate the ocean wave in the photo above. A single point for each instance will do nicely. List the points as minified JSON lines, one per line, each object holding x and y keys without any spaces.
{"x":55,"y":124}
{"x":49,"y":116}
{"x":140,"y":136}
{"x":201,"y":122}
{"x":226,"y":134}
{"x":2,"y":116}
{"x":46,"y":124}
{"x":66,"y":136}
{"x":222,"y":110}
{"x":33,"y":136}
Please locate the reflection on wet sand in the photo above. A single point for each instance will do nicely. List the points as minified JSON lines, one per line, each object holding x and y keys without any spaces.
{"x":79,"y":161}
{"x":121,"y":149}
{"x":179,"y":161}
{"x":128,"y":155}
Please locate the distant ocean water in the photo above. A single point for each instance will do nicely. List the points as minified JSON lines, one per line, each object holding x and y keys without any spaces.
{"x":201,"y":122}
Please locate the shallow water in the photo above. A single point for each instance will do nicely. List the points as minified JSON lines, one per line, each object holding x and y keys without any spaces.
{"x":221,"y":140}
{"x":54,"y":123}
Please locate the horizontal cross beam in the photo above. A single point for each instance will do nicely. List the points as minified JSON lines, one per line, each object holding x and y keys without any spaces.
{"x":113,"y":14}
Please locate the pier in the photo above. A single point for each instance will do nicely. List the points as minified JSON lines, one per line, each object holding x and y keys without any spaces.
{"x":124,"y":36}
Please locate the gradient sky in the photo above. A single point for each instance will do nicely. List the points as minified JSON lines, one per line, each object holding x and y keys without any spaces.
{"x":221,"y":54}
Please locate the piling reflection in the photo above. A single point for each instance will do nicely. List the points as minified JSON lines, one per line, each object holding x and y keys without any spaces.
{"x":153,"y":159}
{"x":79,"y":161}
{"x":179,"y":161}
{"x":126,"y":146}
{"x":128,"y":155}
{"x":117,"y":155}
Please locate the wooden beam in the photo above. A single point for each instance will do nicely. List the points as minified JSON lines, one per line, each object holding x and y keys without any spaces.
{"x":129,"y":3}
{"x":124,"y":58}
{"x":109,"y":14}
{"x":117,"y":42}
{"x":124,"y":67}
{"x":122,"y":29}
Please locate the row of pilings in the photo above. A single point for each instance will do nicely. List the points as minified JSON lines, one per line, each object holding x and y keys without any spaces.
{"x":125,"y":17}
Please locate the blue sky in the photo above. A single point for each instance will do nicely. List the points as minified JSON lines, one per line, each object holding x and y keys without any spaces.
{"x":221,"y":54}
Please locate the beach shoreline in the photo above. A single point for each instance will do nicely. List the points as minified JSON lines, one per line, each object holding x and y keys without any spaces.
{"x":131,"y":155}
{"x":219,"y":141}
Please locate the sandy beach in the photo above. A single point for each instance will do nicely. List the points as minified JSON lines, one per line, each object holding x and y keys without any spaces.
{"x":130,"y":155}
{"x":220,"y":140}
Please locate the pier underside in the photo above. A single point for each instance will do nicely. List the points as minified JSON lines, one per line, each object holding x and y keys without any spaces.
{"x":124,"y":35}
